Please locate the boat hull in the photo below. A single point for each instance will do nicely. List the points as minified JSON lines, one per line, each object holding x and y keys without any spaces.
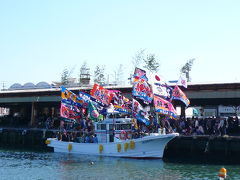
{"x":146,"y":147}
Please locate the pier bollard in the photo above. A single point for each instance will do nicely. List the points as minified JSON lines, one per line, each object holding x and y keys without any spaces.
{"x":222,"y":174}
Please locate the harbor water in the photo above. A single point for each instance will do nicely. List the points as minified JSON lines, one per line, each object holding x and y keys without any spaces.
{"x":46,"y":165}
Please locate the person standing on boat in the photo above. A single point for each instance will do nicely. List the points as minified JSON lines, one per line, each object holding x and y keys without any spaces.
{"x":87,"y":139}
{"x":95,"y":139}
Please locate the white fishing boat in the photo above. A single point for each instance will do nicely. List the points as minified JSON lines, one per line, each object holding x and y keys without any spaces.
{"x":115,"y":139}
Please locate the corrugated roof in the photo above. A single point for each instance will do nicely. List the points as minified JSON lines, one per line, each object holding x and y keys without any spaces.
{"x":58,"y":89}
{"x":107,"y":87}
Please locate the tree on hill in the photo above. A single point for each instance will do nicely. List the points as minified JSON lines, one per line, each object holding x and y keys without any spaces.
{"x":64,"y":77}
{"x":138,"y":58}
{"x":66,"y":74}
{"x":119,"y":73}
{"x":151,"y":63}
{"x":99,"y":76}
{"x":187,"y":68}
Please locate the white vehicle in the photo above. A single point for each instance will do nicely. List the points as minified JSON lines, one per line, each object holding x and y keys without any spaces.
{"x":115,"y":139}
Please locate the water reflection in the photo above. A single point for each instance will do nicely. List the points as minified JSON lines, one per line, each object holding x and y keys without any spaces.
{"x":33,"y":165}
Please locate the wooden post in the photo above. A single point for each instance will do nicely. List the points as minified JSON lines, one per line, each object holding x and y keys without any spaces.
{"x":183,"y":114}
{"x":32,"y":115}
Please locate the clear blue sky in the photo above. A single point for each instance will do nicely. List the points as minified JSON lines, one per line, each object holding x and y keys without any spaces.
{"x":38,"y":39}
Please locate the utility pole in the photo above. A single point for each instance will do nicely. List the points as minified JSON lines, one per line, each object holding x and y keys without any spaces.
{"x":3,"y":85}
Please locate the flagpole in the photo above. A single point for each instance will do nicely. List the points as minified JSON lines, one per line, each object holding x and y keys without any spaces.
{"x":113,"y":124}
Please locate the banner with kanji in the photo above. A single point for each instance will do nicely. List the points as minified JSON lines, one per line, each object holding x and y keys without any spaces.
{"x":70,"y":105}
{"x":139,"y":74}
{"x":164,"y":107}
{"x":162,"y":90}
{"x":84,"y":98}
{"x":178,"y":94}
{"x":122,"y":109}
{"x":117,"y":97}
{"x":69,"y":111}
{"x":139,"y":113}
{"x":142,"y":90}
{"x":120,"y":102}
{"x":160,"y":87}
{"x":101,"y":94}
{"x":66,"y":94}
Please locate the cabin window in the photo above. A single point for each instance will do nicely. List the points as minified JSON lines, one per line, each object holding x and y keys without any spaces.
{"x":126,"y":126}
{"x":117,"y":127}
{"x":101,"y":126}
{"x":122,"y":126}
{"x":110,"y":126}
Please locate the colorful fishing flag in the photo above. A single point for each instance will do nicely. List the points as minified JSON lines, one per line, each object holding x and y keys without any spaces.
{"x":160,"y":87}
{"x":64,"y":111}
{"x":101,"y":94}
{"x":182,"y":81}
{"x":117,"y":98}
{"x":86,"y":98}
{"x":120,"y":102}
{"x":70,"y":105}
{"x":66,"y":94}
{"x":140,"y":74}
{"x":142,"y":90}
{"x":164,"y":107}
{"x":178,"y":94}
{"x":92,"y":111}
{"x":139,"y":113}
{"x":69,"y":111}
{"x":122,"y":109}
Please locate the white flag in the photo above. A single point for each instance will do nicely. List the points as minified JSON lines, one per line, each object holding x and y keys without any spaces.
{"x":182,"y":81}
{"x":159,"y":85}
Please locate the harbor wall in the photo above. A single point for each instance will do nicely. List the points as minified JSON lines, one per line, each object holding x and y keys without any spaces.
{"x":27,"y":139}
{"x":204,"y":148}
{"x":185,"y":147}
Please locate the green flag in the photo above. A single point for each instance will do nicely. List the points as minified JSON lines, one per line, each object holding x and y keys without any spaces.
{"x":92,"y":111}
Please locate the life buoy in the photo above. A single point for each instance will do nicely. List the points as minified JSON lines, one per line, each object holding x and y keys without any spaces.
{"x":123,"y":135}
{"x":222,"y":173}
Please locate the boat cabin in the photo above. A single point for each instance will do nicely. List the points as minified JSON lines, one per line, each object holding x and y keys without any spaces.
{"x":113,"y":129}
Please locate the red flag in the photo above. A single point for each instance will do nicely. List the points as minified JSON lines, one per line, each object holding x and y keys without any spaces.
{"x":101,"y":94}
{"x":178,"y":94}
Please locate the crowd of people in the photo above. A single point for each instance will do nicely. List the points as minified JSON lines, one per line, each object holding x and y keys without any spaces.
{"x":84,"y":132}
{"x":218,"y":126}
{"x":81,"y":131}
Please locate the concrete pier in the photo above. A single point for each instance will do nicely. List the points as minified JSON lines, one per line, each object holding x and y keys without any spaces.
{"x":22,"y":138}
{"x":206,"y":148}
